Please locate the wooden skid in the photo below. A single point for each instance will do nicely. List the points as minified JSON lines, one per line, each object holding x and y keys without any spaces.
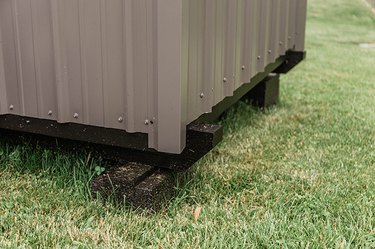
{"x":266,"y":93}
{"x":137,"y":185}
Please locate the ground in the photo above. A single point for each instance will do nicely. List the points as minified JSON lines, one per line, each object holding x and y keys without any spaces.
{"x":297,"y":175}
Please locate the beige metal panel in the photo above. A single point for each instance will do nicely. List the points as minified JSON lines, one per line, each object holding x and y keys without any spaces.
{"x":172,"y":119}
{"x":3,"y":95}
{"x":230,"y":49}
{"x":208,"y":88}
{"x":220,"y":80}
{"x":14,"y":104}
{"x":263,"y":33}
{"x":283,"y":27}
{"x":195,"y":37}
{"x":273,"y":52}
{"x":300,"y":25}
{"x":114,"y":92}
{"x":149,"y":66}
{"x":292,"y":23}
{"x":43,"y":58}
{"x":248,"y":29}
{"x":253,"y":36}
{"x":240,"y":46}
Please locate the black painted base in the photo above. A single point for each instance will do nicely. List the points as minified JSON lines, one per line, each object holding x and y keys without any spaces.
{"x":151,"y":179}
{"x":137,"y":185}
{"x":266,"y":93}
{"x":201,"y":139}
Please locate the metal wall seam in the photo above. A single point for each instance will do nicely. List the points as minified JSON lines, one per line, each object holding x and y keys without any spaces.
{"x":138,"y":65}
{"x":3,"y":96}
{"x":262,"y":34}
{"x":220,"y":79}
{"x":284,"y":27}
{"x":247,"y":32}
{"x":291,"y":24}
{"x":193,"y":38}
{"x":207,"y":94}
{"x":255,"y":13}
{"x":273,"y":41}
{"x":240,"y":46}
{"x":128,"y":55}
{"x":301,"y":25}
{"x":230,"y":49}
{"x":151,"y":25}
{"x":9,"y":57}
{"x":113,"y":64}
{"x":171,"y":121}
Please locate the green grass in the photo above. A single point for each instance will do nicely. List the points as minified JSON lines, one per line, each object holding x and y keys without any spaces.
{"x":297,"y":175}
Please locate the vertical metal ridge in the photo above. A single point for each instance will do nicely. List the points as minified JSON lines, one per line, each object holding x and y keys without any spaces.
{"x":220,"y":77}
{"x":254,"y":37}
{"x":201,"y":9}
{"x":129,"y":70}
{"x":37,"y":76}
{"x":9,"y":56}
{"x":240,"y":48}
{"x":148,"y":66}
{"x":84,"y":116}
{"x":208,"y":58}
{"x":103,"y":51}
{"x":171,"y":122}
{"x":192,"y":76}
{"x":300,"y":25}
{"x":230,"y":56}
{"x":292,"y":23}
{"x":247,"y":53}
{"x":150,"y":41}
{"x":18,"y":59}
{"x":3,"y":95}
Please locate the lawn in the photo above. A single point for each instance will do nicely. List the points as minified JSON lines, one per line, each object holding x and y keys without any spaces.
{"x":298,"y":175}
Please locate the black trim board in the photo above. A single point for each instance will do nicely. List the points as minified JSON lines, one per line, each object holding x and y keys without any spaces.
{"x":121,"y":145}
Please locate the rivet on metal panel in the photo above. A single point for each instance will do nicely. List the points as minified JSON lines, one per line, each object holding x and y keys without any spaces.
{"x":120,"y":119}
{"x":11,"y":107}
{"x":225,"y":79}
{"x":243,"y":67}
{"x":270,"y":51}
{"x":202,"y":95}
{"x":259,"y":57}
{"x":50,"y":112}
{"x":76,"y":115}
{"x":147,"y":122}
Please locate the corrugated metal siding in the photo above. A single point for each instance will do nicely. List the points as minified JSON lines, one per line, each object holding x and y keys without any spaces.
{"x":229,"y":42}
{"x":124,"y":64}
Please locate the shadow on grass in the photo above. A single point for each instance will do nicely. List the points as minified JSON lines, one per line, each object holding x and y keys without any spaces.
{"x":74,"y":171}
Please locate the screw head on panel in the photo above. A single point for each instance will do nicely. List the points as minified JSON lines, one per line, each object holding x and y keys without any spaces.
{"x":243,"y":67}
{"x":201,"y":95}
{"x":147,"y":122}
{"x":75,"y":115}
{"x":50,"y":113}
{"x":225,"y":79}
{"x":270,"y":51}
{"x":259,"y":57}
{"x":11,"y":107}
{"x":120,"y":119}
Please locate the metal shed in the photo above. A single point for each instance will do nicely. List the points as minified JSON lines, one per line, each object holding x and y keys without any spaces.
{"x":135,"y":73}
